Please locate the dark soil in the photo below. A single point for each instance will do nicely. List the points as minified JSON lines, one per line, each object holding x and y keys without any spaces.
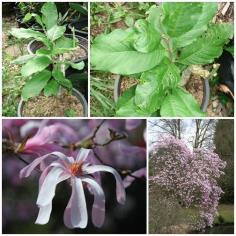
{"x":195,"y":87}
{"x":42,"y":106}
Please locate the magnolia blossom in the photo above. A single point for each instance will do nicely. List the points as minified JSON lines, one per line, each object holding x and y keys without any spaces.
{"x":80,"y":173}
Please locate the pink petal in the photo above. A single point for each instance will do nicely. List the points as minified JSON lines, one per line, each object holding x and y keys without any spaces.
{"x":98,"y":211}
{"x":82,"y":155}
{"x":128,"y":180}
{"x":120,"y":190}
{"x":75,"y":215}
{"x":47,"y":191}
{"x":44,"y":214}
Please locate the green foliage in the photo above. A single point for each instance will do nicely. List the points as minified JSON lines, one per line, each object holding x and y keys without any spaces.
{"x":49,"y":57}
{"x":70,"y":113}
{"x":173,"y":35}
{"x":101,"y":103}
{"x":36,"y":84}
{"x":224,"y":143}
{"x":180,"y":103}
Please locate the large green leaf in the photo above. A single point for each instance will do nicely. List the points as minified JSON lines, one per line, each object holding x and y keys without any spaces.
{"x":35,"y":65}
{"x":180,"y":17}
{"x":51,"y":88}
{"x":180,"y":104}
{"x":23,"y":59}
{"x":22,"y":33}
{"x":126,"y":106}
{"x":35,"y":85}
{"x":208,"y":47}
{"x":146,"y":38}
{"x":184,"y":22}
{"x":114,"y":53}
{"x":63,"y":44}
{"x":208,"y":11}
{"x":151,"y":91}
{"x":155,"y":17}
{"x":50,"y":15}
{"x":56,"y":32}
{"x":60,"y":78}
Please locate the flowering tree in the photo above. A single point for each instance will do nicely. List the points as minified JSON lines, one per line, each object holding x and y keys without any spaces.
{"x":76,"y":152}
{"x":190,"y":175}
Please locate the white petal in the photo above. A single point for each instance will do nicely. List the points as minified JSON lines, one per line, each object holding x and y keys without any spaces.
{"x":120,"y":190}
{"x":48,"y":187}
{"x":82,"y":155}
{"x":44,"y":214}
{"x":75,"y":215}
{"x":26,"y":171}
{"x":98,"y":211}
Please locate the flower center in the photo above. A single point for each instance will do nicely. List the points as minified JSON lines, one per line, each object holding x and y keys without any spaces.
{"x":76,"y":168}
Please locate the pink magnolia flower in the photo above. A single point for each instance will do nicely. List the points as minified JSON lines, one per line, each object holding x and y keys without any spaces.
{"x":48,"y":138}
{"x":77,"y":171}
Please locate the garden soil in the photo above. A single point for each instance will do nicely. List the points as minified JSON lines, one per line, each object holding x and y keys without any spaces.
{"x":52,"y":106}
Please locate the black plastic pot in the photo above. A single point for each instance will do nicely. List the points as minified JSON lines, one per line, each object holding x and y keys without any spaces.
{"x":78,"y":26}
{"x":34,"y":45}
{"x":7,"y":8}
{"x":79,"y":80}
{"x":205,"y":100}
{"x":75,"y":92}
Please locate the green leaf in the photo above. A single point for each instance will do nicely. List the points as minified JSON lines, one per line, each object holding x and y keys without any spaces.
{"x":114,"y":53}
{"x":35,"y":85}
{"x":129,"y":21}
{"x":230,"y":49}
{"x":208,"y":47}
{"x":180,"y":104}
{"x":78,"y":7}
{"x":43,"y":51}
{"x":38,"y":19}
{"x":184,"y":22}
{"x":63,"y":45}
{"x":51,"y":88}
{"x":35,"y":65}
{"x":70,"y":113}
{"x":23,"y":59}
{"x":27,"y":17}
{"x":146,"y":38}
{"x":22,"y":33}
{"x":126,"y":106}
{"x":50,"y":15}
{"x":56,"y":32}
{"x":208,"y":12}
{"x":60,"y":78}
{"x":151,"y":91}
{"x":77,"y":66}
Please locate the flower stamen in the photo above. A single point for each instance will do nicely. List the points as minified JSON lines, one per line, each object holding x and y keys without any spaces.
{"x":76,"y":168}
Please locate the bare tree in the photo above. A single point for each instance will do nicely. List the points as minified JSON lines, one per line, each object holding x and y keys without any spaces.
{"x":204,"y":133}
{"x":172,"y":127}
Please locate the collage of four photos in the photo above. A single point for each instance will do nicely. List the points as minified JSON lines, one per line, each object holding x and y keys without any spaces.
{"x":117,"y":117}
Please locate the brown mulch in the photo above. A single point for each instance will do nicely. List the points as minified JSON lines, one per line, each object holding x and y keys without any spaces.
{"x":42,"y":106}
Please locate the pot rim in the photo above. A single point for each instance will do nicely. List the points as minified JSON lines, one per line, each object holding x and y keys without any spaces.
{"x":205,"y":99}
{"x":75,"y":92}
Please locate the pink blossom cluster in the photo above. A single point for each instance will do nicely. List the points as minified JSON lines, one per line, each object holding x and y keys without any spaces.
{"x":190,"y":175}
